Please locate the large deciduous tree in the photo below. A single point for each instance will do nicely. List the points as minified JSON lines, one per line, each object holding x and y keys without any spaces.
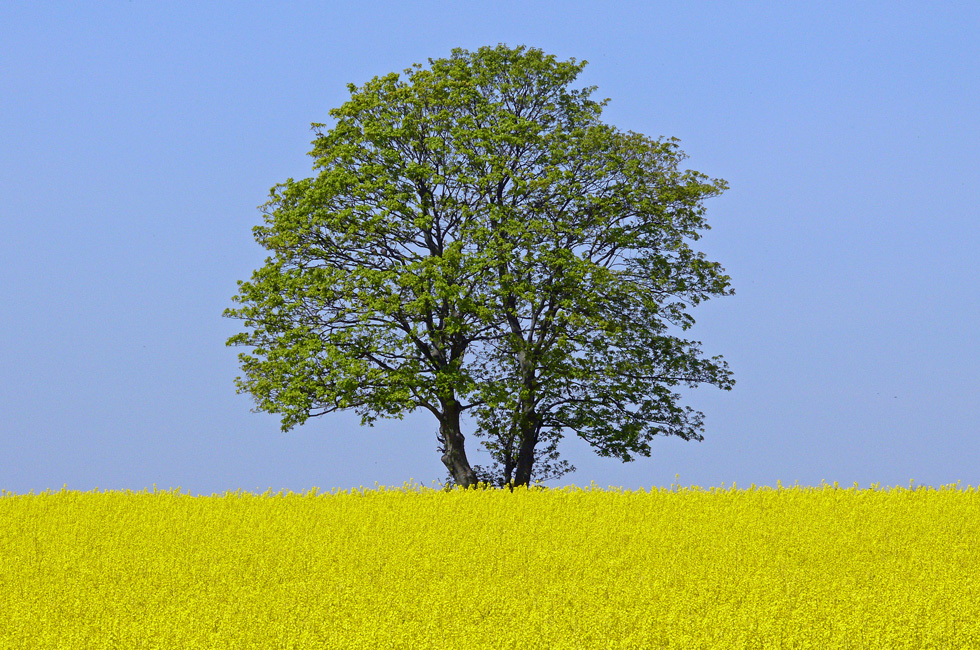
{"x":477,"y":240}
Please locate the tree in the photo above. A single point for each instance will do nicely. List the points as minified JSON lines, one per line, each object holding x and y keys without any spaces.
{"x":476,"y":240}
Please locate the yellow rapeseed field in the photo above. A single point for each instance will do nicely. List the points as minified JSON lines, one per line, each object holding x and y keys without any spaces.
{"x":548,"y":569}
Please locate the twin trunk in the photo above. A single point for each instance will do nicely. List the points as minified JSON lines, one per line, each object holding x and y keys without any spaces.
{"x":454,"y":456}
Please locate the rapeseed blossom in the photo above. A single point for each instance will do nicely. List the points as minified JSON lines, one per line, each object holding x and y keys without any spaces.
{"x":533,"y":569}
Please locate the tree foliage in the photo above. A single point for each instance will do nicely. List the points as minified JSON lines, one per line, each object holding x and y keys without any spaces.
{"x":477,"y":242}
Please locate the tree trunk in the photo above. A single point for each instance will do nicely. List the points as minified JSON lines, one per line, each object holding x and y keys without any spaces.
{"x":509,"y":466}
{"x":528,"y":429}
{"x":454,"y":457}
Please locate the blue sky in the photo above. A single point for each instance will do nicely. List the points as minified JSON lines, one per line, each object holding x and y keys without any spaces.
{"x":138,"y":138}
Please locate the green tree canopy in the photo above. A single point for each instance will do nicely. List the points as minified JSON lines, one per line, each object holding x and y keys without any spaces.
{"x":477,"y":240}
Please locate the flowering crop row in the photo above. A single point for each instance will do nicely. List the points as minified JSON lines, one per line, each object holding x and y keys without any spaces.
{"x":536,"y":568}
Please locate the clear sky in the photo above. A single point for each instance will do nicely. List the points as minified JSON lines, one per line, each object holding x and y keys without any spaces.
{"x":138,"y":138}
